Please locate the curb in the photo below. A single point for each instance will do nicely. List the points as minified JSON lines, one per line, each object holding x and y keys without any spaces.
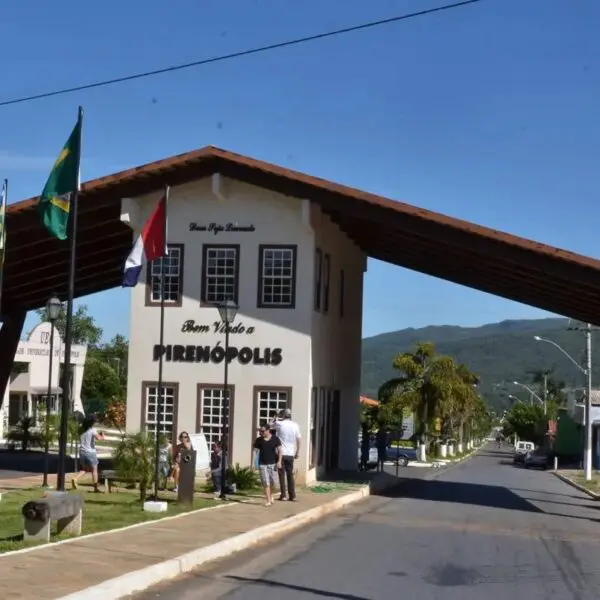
{"x":575,"y":485}
{"x":142,"y":579}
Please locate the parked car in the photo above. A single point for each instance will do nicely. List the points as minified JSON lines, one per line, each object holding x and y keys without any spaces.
{"x":401,"y":455}
{"x":372,"y":456}
{"x":537,"y":458}
{"x":521,"y":449}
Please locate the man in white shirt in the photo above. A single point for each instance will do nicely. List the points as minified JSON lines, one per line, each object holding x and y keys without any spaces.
{"x":288,"y":433}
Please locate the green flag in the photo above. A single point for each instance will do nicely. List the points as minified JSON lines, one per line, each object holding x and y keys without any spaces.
{"x":63,"y":181}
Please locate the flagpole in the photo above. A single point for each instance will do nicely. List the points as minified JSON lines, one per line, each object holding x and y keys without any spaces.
{"x":3,"y":209}
{"x":161,"y":342}
{"x":66,"y":382}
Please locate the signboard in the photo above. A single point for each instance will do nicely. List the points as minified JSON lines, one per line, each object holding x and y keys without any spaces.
{"x":200,"y":445}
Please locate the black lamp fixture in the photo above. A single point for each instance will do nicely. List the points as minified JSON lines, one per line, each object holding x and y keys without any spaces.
{"x":227,"y":311}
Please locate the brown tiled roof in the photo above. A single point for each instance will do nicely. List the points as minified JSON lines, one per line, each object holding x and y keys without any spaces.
{"x":368,"y":401}
{"x":485,"y":259}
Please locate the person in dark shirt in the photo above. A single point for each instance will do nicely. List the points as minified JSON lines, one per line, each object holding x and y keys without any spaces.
{"x":216,"y":458}
{"x":268,"y":448}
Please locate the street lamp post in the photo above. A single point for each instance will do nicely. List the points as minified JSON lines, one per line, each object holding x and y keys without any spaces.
{"x":533,"y":394}
{"x":227,"y":311}
{"x":587,"y":371}
{"x":53,"y":307}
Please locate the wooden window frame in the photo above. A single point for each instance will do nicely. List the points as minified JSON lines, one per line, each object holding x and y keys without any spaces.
{"x":265,"y":388}
{"x":318,"y":279}
{"x":148,"y":267}
{"x":175,"y":386}
{"x":312,"y":428}
{"x":342,"y":291}
{"x":326,"y":281}
{"x":217,"y":386}
{"x":205,"y":250}
{"x":260,"y":279}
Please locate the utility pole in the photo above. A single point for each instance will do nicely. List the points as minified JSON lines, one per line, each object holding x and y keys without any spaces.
{"x":588,"y":437}
{"x":545,"y":393}
{"x":588,"y":405}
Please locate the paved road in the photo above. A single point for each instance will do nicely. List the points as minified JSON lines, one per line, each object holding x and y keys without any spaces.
{"x":482,"y":530}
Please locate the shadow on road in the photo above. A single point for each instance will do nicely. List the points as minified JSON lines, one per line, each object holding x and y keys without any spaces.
{"x":489,"y":496}
{"x":462,"y":493}
{"x":299,"y":588}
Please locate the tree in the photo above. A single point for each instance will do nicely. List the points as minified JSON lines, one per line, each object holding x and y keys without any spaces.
{"x":85,"y":330}
{"x":425,"y":385}
{"x":464,"y":401}
{"x":527,"y":421}
{"x":114,"y":354}
{"x":100,"y":385}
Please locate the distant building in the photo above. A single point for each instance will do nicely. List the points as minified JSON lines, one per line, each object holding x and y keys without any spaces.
{"x":27,"y":390}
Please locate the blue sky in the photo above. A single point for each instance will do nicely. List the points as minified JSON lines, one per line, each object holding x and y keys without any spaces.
{"x":488,"y":113}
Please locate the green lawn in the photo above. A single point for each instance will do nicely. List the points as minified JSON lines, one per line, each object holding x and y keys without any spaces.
{"x":579,"y":477}
{"x":101,"y":512}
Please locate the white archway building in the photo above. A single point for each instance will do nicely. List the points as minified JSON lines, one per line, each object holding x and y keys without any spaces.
{"x":28,"y":386}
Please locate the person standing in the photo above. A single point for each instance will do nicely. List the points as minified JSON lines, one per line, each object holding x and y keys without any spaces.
{"x":269,"y":460}
{"x":288,"y":433}
{"x":216,"y":463}
{"x":88,"y":457}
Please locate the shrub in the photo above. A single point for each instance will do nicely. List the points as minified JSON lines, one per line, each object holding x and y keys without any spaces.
{"x":244,"y":478}
{"x":134,"y":460}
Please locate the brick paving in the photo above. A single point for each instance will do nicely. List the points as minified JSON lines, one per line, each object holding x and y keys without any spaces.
{"x":18,"y":480}
{"x":61,"y":569}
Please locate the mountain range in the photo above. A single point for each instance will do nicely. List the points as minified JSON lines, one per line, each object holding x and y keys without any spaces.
{"x":499,"y":353}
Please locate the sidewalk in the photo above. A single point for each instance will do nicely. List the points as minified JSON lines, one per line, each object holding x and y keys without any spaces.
{"x":61,"y":569}
{"x":18,"y":480}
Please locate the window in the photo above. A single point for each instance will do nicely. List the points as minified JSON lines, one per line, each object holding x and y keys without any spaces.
{"x":342,"y":291}
{"x":173,"y":285}
{"x":168,"y":409}
{"x":269,"y":401}
{"x":318,"y":277}
{"x":326,"y":269}
{"x":220,"y":273}
{"x":211,"y":412}
{"x":276,"y":276}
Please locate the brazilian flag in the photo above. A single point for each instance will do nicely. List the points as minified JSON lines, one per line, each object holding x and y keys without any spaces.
{"x":63,"y":182}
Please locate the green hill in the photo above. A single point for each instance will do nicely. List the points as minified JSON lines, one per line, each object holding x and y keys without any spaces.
{"x":498,"y":352}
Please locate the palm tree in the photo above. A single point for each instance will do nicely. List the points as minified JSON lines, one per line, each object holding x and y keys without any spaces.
{"x":134,"y":460}
{"x":425,"y":385}
{"x":465,"y":400}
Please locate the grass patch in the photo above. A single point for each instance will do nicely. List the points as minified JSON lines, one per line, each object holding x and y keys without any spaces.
{"x":101,"y":512}
{"x":579,"y":477}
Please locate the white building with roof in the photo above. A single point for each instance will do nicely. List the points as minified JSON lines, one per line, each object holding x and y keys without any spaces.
{"x":27,"y":390}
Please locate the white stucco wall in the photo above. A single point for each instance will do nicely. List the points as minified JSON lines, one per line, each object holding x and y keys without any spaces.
{"x":336,"y":338}
{"x":35,"y":352}
{"x":297,"y":332}
{"x":277,"y":220}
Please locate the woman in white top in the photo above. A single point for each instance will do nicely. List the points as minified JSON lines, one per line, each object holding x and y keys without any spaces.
{"x":88,"y":457}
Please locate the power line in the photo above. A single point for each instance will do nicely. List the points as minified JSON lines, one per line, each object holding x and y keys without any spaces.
{"x":223,"y":57}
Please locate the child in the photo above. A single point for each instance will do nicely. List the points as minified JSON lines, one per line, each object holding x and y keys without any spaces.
{"x":164,"y":462}
{"x":216,"y":462}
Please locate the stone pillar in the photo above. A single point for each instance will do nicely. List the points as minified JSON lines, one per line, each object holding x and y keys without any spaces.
{"x":422,"y":453}
{"x":450,"y":449}
{"x":443,"y":450}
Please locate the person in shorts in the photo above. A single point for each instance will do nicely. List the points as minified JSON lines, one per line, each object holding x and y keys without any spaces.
{"x":88,"y":457}
{"x":268,"y":448}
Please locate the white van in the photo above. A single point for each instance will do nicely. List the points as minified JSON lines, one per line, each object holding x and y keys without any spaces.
{"x":524,"y":447}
